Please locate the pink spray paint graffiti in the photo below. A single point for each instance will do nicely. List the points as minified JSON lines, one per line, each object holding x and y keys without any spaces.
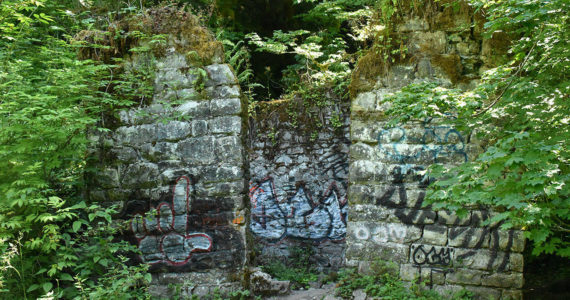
{"x":163,"y":234}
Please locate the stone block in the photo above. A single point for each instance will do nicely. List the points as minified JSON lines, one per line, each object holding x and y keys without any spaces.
{"x":359,"y":295}
{"x":161,"y":151}
{"x":483,"y":218}
{"x":465,"y":276}
{"x":172,"y":61}
{"x":107,"y":178}
{"x":199,"y":127}
{"x":370,"y":252}
{"x":221,"y":173}
{"x":221,"y":189}
{"x":424,"y":68}
{"x":365,"y":170}
{"x":383,"y":232}
{"x":194,"y":109}
{"x":478,"y":218}
{"x":367,"y":212}
{"x":399,"y":76}
{"x":173,"y":79}
{"x":220,"y":107}
{"x":228,"y":124}
{"x":187,"y":95}
{"x":431,"y":276}
{"x":97,"y":196}
{"x":508,"y":240}
{"x":368,"y":132}
{"x":135,"y":135}
{"x":360,"y":194}
{"x":140,"y":175}
{"x":435,"y":235}
{"x":223,"y":91}
{"x":219,"y":74}
{"x":482,"y":259}
{"x":364,"y":101}
{"x":198,"y":150}
{"x":451,"y":218}
{"x":428,"y":255}
{"x":414,"y":216}
{"x":362,"y":151}
{"x":503,"y":280}
{"x":172,"y":131}
{"x":409,"y":272}
{"x":118,"y":195}
{"x":467,"y":237}
{"x":229,"y":149}
{"x":124,"y":154}
{"x":262,"y":283}
{"x":398,"y":195}
{"x":143,"y":115}
{"x":454,"y":18}
{"x":283,"y":160}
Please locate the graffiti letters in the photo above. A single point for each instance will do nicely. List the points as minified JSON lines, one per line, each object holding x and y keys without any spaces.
{"x":494,"y":259}
{"x":381,"y":233}
{"x":298,"y":217}
{"x":164,"y":236}
{"x":435,"y":143}
{"x":431,"y":255}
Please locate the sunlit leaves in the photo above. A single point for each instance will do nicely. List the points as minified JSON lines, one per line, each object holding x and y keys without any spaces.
{"x":48,"y":100}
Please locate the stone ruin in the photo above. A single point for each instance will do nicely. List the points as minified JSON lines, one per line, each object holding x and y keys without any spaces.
{"x":204,"y":185}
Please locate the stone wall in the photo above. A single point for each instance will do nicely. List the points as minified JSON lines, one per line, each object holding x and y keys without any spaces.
{"x":298,"y":181}
{"x":182,"y":164}
{"x":177,"y":167}
{"x":387,"y":186}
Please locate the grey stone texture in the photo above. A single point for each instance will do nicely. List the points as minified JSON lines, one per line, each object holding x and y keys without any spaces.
{"x":261,"y":283}
{"x":177,"y":166}
{"x":298,"y":177}
{"x":348,"y":195}
{"x":387,"y":180}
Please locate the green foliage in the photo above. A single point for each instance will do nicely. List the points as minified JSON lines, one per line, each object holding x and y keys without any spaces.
{"x":424,"y":101}
{"x":384,"y":284}
{"x":299,"y":270}
{"x":320,"y":48}
{"x":53,"y":243}
{"x":239,"y":57}
{"x":520,"y":109}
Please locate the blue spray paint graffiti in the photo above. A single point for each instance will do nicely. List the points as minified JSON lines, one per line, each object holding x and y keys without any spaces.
{"x":435,"y":144}
{"x":298,"y":217}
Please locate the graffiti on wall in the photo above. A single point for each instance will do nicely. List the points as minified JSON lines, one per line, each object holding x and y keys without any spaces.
{"x":297,"y":217}
{"x":494,"y":260}
{"x":163,"y":235}
{"x":401,"y":176}
{"x":435,"y":143}
{"x":335,"y":164}
{"x":381,"y":233}
{"x":431,"y":255}
{"x":412,"y":148}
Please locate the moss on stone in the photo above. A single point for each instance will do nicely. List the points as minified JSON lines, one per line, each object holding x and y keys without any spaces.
{"x":181,"y":29}
{"x":450,"y":65}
